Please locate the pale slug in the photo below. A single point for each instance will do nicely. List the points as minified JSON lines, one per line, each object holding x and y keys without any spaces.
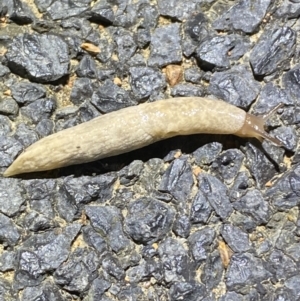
{"x":134,"y":127}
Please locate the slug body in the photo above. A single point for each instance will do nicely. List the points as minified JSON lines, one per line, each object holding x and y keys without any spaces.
{"x":135,"y":127}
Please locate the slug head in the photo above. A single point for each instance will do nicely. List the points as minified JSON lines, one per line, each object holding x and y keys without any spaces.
{"x":254,"y":126}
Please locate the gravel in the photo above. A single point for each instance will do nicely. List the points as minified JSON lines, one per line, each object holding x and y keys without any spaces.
{"x":198,"y":218}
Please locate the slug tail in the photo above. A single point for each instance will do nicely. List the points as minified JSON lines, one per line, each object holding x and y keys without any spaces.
{"x":23,"y":164}
{"x":12,"y":170}
{"x":8,"y":172}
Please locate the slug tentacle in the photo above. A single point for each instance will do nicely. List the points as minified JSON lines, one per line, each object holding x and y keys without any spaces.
{"x":267,"y":116}
{"x":254,"y":126}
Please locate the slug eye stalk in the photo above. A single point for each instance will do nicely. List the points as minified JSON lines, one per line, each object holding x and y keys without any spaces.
{"x":254,"y":126}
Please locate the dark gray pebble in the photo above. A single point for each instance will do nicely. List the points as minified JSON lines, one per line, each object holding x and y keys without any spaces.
{"x":9,"y":149}
{"x":176,"y":263}
{"x":244,"y":270}
{"x":146,"y":81}
{"x":101,"y":218}
{"x":216,"y":194}
{"x":237,"y":240}
{"x":207,"y":153}
{"x":244,"y":15}
{"x":19,"y":11}
{"x":273,"y":51}
{"x":148,"y":220}
{"x":41,"y":58}
{"x":165,"y":46}
{"x":25,"y":135}
{"x":87,"y":67}
{"x":285,"y":191}
{"x":109,"y":97}
{"x":39,"y":109}
{"x":227,"y":165}
{"x":254,"y":205}
{"x":200,"y":209}
{"x":186,"y":90}
{"x":178,"y":179}
{"x":260,"y":166}
{"x":78,"y":271}
{"x":201,"y":243}
{"x":102,"y":12}
{"x":217,"y":51}
{"x":26,"y":92}
{"x":8,"y":107}
{"x":236,"y":86}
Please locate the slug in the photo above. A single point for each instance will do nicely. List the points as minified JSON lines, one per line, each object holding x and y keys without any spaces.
{"x":135,"y":127}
